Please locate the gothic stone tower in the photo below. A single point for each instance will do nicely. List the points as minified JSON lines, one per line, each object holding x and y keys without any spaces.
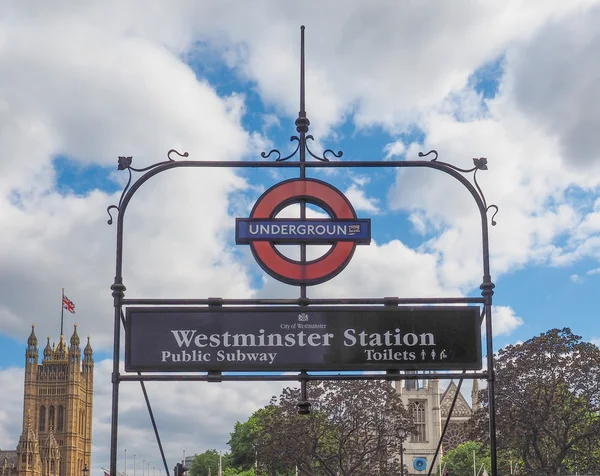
{"x":57,"y":409}
{"x":422,"y":398}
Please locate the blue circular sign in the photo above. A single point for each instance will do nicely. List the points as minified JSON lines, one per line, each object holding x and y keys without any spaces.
{"x":420,"y":464}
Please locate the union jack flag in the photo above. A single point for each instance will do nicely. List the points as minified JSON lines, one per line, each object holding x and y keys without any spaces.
{"x":68,"y":305}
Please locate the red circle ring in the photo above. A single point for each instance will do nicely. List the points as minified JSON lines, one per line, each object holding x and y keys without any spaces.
{"x":285,"y":269}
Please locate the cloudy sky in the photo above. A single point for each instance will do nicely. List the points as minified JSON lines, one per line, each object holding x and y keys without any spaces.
{"x":82,"y":83}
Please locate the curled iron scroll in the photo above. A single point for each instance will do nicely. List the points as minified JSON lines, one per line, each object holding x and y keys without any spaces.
{"x":124,"y":163}
{"x":478,"y":164}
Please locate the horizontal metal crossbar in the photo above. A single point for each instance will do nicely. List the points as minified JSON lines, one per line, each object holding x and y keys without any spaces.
{"x":218,"y":377}
{"x":387,"y":301}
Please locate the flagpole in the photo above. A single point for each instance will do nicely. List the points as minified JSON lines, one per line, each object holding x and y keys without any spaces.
{"x":62,"y":310}
{"x":474,"y":466}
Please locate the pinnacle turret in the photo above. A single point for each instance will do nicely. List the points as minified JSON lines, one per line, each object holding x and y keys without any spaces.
{"x":27,"y":449}
{"x":60,"y":352}
{"x":32,"y":341}
{"x":48,"y":350}
{"x":75,"y":338}
{"x":88,"y":348}
{"x":88,"y":360}
{"x":475,"y":395}
{"x":32,"y":350}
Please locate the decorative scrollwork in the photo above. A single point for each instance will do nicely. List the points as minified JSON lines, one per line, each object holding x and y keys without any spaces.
{"x":302,"y":143}
{"x":481,"y":163}
{"x":276,"y":151}
{"x":494,"y":215}
{"x":478,"y":164}
{"x":174,"y":151}
{"x":124,"y":163}
{"x":421,"y":154}
{"x":325,"y":152}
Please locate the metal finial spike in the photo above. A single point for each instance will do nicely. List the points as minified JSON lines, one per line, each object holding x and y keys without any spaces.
{"x":302,"y":122}
{"x":302,"y":89}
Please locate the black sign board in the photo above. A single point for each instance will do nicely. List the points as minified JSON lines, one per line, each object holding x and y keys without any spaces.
{"x":279,"y":339}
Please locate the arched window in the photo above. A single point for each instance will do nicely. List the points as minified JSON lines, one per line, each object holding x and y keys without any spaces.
{"x":42,"y":418}
{"x":418,"y":414}
{"x":51,"y":418}
{"x":61,"y":418}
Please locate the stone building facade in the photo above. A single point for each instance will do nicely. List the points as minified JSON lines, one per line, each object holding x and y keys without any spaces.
{"x":430,"y":408}
{"x":57,"y":411}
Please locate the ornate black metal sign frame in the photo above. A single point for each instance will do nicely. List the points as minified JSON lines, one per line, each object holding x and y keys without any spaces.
{"x":275,"y":339}
{"x":297,"y":159}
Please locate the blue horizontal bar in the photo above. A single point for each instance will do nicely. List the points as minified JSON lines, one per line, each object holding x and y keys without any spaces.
{"x":293,"y":231}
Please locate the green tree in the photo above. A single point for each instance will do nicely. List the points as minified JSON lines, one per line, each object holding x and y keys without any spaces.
{"x":352,"y":430}
{"x":460,"y":460}
{"x":547,"y":401}
{"x":244,"y":439}
{"x":209,"y":460}
{"x":237,"y":472}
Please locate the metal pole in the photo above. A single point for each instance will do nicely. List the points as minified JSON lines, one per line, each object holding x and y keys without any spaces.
{"x":118,"y":292}
{"x":402,"y":457}
{"x":302,"y":123}
{"x":125,"y":461}
{"x":487,"y":293}
{"x":62,"y":310}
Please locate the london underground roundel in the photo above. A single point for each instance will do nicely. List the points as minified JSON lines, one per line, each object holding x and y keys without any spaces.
{"x":343,"y":230}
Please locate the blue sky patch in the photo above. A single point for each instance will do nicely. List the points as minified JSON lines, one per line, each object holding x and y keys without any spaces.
{"x":73,"y":177}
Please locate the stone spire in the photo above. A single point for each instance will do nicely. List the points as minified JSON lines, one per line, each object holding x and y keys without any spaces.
{"x":32,"y":350}
{"x":48,"y":352}
{"x":28,"y":451}
{"x":32,"y":341}
{"x":475,"y":405}
{"x":60,"y":353}
{"x":74,"y":350}
{"x":88,"y":359}
{"x":50,"y":455}
{"x":75,"y":338}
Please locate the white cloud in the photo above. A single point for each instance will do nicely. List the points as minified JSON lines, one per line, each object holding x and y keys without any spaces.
{"x":545,"y":88}
{"x":504,"y":320}
{"x":394,"y":149}
{"x":360,"y":201}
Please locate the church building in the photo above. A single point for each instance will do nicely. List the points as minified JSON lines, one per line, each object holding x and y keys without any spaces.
{"x":430,"y":409}
{"x":57,"y":411}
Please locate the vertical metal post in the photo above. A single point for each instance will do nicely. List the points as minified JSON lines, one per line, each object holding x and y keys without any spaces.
{"x":302,"y":124}
{"x":487,"y":292}
{"x":118,"y":292}
{"x":402,"y":457}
